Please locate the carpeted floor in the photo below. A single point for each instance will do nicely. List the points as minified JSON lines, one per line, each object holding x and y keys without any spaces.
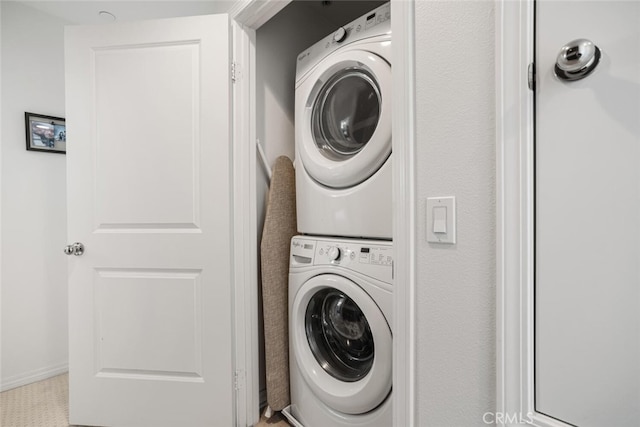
{"x":46,"y":404}
{"x":41,"y":404}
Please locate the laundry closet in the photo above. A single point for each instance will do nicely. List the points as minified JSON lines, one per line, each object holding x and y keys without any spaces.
{"x":281,"y":44}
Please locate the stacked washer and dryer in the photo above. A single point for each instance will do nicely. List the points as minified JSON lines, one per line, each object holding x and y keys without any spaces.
{"x":340,"y":276}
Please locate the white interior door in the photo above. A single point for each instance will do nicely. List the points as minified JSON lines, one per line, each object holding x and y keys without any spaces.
{"x":149,"y":182}
{"x":587,"y":284}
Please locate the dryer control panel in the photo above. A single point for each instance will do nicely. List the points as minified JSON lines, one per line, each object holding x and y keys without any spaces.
{"x":373,"y":258}
{"x":375,"y":23}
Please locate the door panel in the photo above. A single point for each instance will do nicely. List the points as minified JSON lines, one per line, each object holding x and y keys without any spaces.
{"x":164,"y":193}
{"x":166,"y":338}
{"x":149,"y":196}
{"x":587,"y":289}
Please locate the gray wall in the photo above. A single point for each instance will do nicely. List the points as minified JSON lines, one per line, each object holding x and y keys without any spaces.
{"x":456,"y":156}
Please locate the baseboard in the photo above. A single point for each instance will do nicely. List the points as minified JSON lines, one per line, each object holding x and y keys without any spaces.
{"x":33,"y":376}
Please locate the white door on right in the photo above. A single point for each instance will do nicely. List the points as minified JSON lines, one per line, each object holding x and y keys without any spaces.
{"x":587,"y":216}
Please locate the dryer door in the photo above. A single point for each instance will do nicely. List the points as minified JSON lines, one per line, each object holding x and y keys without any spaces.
{"x":344,"y":134}
{"x":342,"y":344}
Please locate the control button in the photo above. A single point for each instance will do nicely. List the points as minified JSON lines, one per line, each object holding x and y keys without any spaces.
{"x":352,"y":256}
{"x":340,"y":35}
{"x":358,"y":28}
{"x":334,"y":253}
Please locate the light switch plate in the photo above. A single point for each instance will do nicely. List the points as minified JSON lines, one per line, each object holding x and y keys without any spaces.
{"x":435,"y":207}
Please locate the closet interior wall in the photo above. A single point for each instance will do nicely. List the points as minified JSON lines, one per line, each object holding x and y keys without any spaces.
{"x":278,"y":42}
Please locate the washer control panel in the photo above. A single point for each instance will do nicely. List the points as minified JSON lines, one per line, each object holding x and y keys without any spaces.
{"x":370,"y":257}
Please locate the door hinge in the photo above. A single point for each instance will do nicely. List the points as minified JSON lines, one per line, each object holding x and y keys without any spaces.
{"x":238,"y":380}
{"x":234,"y":68}
{"x":531,"y":76}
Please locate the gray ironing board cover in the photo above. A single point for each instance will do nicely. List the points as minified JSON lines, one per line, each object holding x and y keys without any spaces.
{"x":279,"y":227}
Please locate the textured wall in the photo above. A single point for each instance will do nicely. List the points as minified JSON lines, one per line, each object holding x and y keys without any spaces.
{"x":34,"y":268}
{"x":456,"y":156}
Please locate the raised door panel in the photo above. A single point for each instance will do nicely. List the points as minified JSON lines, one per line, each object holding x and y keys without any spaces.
{"x":157,"y":91}
{"x":165,"y":338}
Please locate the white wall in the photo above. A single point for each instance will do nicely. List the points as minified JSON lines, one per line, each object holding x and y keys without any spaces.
{"x":34,"y":287}
{"x":456,"y":156}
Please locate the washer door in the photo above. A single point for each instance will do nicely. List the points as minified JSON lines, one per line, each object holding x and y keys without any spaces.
{"x":346,"y":127}
{"x":342,"y":344}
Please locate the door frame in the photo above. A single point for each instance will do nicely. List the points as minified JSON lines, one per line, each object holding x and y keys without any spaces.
{"x":404,"y":145}
{"x":514,"y":203}
{"x":245,"y":269}
{"x":248,"y":16}
{"x":515,"y":26}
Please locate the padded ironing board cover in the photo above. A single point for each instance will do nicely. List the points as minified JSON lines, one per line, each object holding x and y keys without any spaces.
{"x":279,"y":227}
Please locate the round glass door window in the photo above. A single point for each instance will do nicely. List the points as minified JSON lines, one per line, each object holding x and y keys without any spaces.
{"x":339,"y":335}
{"x":346,"y":113}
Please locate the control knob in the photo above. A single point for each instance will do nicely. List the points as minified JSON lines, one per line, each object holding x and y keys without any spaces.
{"x":334,"y":253}
{"x":340,"y":35}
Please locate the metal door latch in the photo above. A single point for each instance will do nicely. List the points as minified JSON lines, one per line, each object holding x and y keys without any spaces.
{"x":76,"y":249}
{"x":577,"y":59}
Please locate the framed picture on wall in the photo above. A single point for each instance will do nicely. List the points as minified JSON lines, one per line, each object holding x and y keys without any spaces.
{"x":45,"y":133}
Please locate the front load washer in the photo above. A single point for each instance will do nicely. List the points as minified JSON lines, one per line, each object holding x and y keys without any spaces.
{"x":343,"y":131}
{"x":340,"y":339}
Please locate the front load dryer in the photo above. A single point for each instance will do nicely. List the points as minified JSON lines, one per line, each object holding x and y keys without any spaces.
{"x":340,"y":340}
{"x":343,"y":131}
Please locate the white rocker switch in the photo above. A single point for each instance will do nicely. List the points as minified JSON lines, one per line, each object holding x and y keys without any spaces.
{"x":441,"y":220}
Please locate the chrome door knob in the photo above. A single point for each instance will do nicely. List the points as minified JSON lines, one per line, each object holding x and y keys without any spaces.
{"x":76,"y":249}
{"x":577,"y":59}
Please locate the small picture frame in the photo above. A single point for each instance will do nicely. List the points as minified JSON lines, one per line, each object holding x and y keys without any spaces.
{"x":45,"y":133}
